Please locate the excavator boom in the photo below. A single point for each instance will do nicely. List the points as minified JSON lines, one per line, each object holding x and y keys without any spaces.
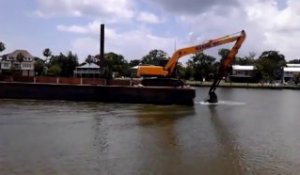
{"x":167,"y":70}
{"x":224,"y":63}
{"x":169,"y":67}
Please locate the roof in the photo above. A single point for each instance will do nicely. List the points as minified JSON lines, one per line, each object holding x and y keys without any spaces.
{"x":240,"y":67}
{"x":293,"y":65}
{"x":291,"y":69}
{"x":15,"y":53}
{"x":88,"y":66}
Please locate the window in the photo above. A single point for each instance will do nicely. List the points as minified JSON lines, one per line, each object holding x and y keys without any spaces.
{"x":26,"y":65}
{"x":6,"y":65}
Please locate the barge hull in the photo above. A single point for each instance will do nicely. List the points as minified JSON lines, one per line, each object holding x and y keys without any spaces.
{"x":119,"y":94}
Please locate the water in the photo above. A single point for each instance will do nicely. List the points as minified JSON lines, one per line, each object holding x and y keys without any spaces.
{"x":249,"y":132}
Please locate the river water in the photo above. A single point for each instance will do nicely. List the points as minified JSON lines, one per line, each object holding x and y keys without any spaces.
{"x":249,"y":132}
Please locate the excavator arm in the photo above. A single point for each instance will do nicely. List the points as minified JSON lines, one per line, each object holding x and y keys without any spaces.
{"x":168,"y":69}
{"x":224,"y":63}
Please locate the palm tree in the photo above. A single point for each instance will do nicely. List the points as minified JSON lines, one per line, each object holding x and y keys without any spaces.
{"x":89,"y":59}
{"x":47,"y":53}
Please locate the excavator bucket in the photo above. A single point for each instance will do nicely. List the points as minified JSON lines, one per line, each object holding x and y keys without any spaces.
{"x":212,"y":97}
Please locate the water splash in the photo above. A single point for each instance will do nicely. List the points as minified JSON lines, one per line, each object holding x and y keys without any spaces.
{"x":221,"y":102}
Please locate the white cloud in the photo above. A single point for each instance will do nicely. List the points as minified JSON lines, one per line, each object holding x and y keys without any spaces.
{"x":132,"y":44}
{"x":90,"y":28}
{"x":278,"y":27}
{"x":268,"y":27}
{"x":74,"y":29}
{"x":192,"y":6}
{"x":104,"y":9}
{"x":148,"y":18}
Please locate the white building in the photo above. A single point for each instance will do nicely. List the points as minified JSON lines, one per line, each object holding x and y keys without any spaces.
{"x":88,"y":70}
{"x":11,"y":64}
{"x":242,"y":73}
{"x":291,"y":71}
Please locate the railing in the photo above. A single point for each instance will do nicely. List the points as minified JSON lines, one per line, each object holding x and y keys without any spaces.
{"x":68,"y":80}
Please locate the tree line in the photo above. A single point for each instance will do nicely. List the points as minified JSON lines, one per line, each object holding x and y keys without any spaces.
{"x":199,"y":66}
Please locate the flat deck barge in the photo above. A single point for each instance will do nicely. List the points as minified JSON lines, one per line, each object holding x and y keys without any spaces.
{"x":101,"y":93}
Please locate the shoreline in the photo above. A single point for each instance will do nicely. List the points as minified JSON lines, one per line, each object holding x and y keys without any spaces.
{"x":244,"y":85}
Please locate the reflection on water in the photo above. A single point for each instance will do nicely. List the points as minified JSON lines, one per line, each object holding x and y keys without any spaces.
{"x":249,"y":132}
{"x":230,"y":149}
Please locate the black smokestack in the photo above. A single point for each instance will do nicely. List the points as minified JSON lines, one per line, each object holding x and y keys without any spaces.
{"x":102,"y":43}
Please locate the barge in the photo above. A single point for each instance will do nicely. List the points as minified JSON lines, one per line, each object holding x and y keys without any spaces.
{"x":100,"y":93}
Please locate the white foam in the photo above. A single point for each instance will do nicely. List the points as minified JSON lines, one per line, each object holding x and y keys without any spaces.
{"x":221,"y":102}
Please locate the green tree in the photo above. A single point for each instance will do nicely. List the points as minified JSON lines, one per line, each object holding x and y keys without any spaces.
{"x":295,"y":61}
{"x":246,"y":60}
{"x":223,"y":52}
{"x":89,"y":59}
{"x":39,"y":66}
{"x":2,"y":47}
{"x":135,"y":62}
{"x":47,"y":53}
{"x":270,"y":64}
{"x":155,"y":57}
{"x":54,"y":70}
{"x":180,"y":71}
{"x":116,"y":63}
{"x":188,"y":73}
{"x":296,"y":78}
{"x":202,"y":66}
{"x":67,"y":63}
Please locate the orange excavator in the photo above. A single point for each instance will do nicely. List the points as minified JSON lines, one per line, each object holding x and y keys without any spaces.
{"x":162,"y":76}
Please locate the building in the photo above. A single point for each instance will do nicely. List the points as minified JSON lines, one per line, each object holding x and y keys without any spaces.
{"x":88,"y":70}
{"x":290,"y":72}
{"x":242,"y":73}
{"x":18,"y":62}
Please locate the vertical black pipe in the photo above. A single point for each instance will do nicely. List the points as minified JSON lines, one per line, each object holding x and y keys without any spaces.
{"x":103,"y":62}
{"x":102,"y":43}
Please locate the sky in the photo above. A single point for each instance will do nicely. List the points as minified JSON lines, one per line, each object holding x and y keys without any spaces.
{"x":134,"y":27}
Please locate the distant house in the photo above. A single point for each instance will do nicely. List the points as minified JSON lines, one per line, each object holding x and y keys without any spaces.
{"x":18,"y":62}
{"x":242,"y":73}
{"x":88,"y":70}
{"x":290,"y":72}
